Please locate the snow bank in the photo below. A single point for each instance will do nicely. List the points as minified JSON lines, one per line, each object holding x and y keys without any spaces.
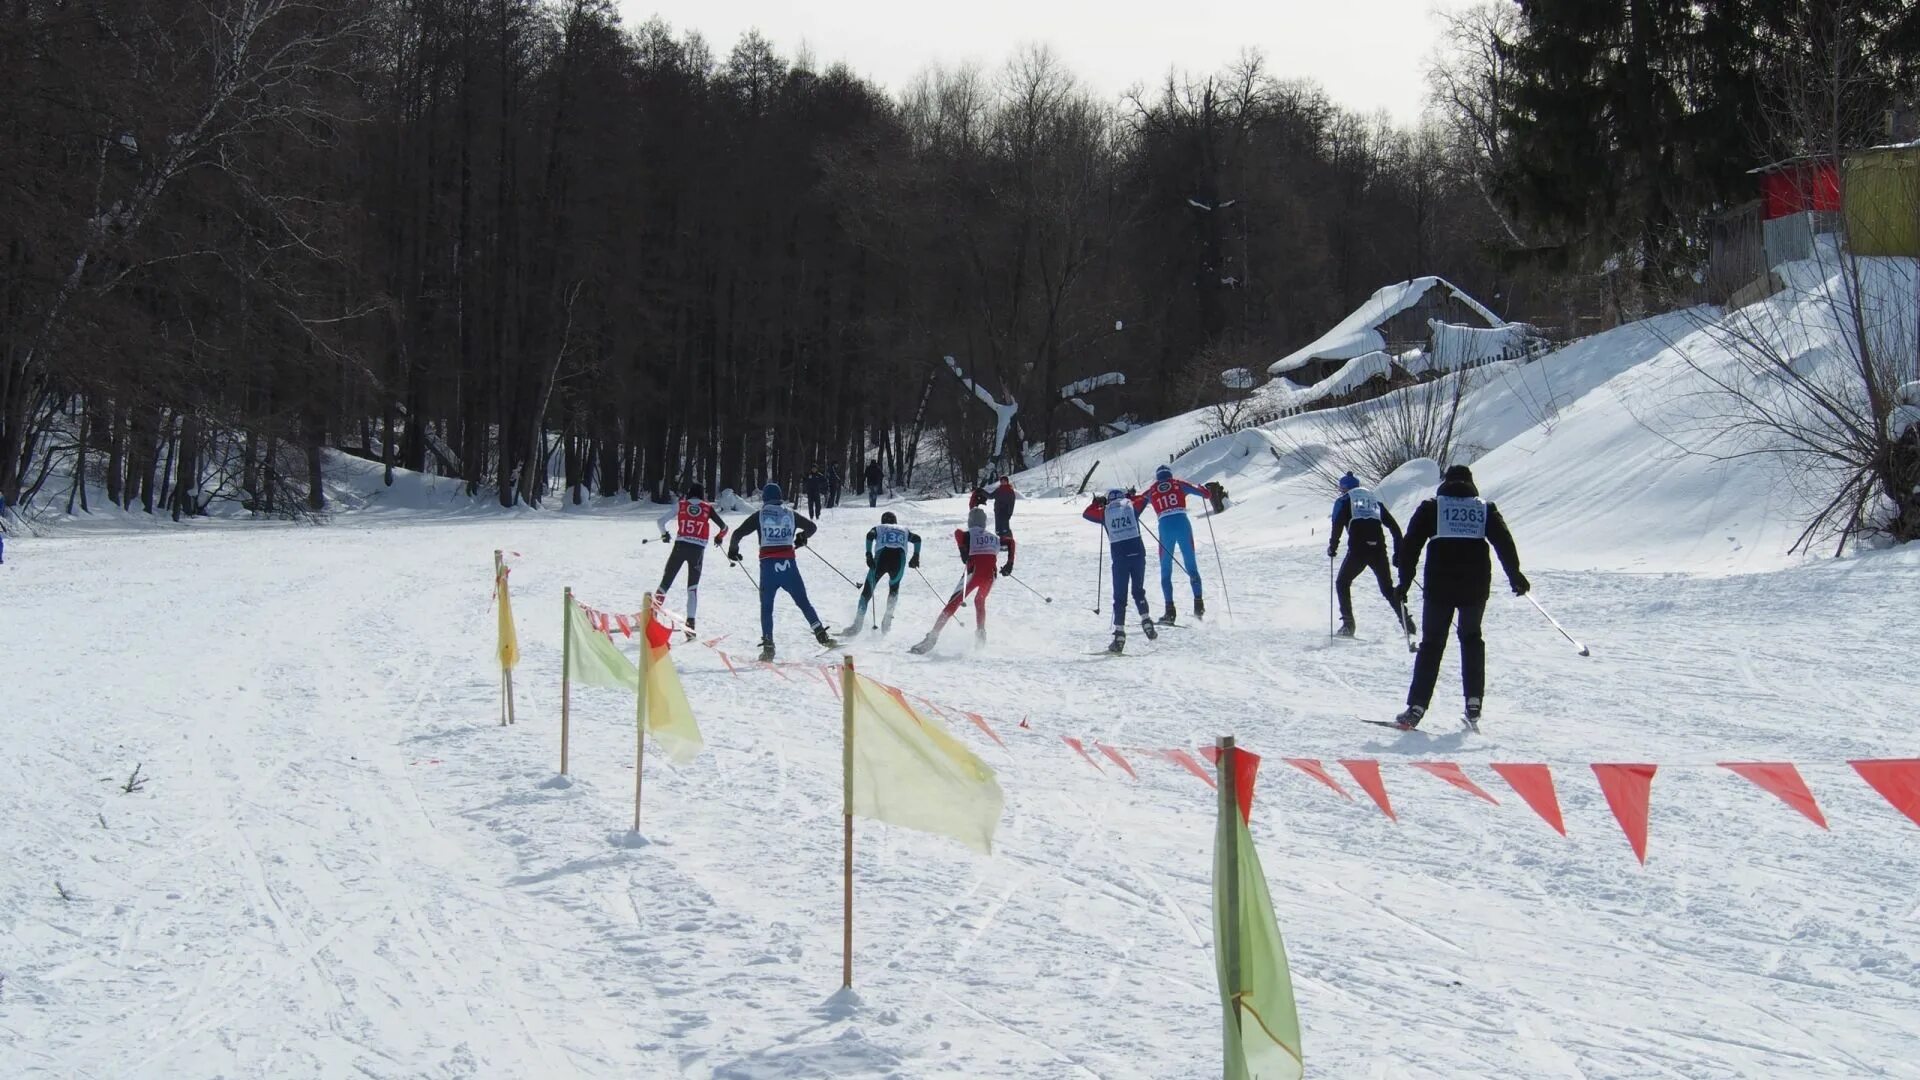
{"x":1359,"y":332}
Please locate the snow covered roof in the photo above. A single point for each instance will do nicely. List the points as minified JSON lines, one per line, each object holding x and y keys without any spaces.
{"x":1352,"y":375}
{"x":1359,"y":333}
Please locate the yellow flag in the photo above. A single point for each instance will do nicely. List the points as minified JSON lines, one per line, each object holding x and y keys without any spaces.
{"x":509,"y":639}
{"x":907,"y":770}
{"x":669,"y":717}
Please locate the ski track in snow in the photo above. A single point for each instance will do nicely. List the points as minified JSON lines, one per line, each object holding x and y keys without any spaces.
{"x":341,"y":866}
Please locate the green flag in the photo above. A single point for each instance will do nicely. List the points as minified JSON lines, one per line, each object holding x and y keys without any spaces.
{"x":594,"y":659}
{"x":1256,"y":990}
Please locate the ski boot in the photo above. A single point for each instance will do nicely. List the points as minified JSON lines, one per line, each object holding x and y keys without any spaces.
{"x":1119,"y":643}
{"x":979,"y":637}
{"x":688,"y":629}
{"x":924,"y":645}
{"x":1147,"y":627}
{"x":820,"y":635}
{"x":1171,"y":618}
{"x":851,"y":632}
{"x":1346,"y":628}
{"x":1410,"y":719}
{"x":1473,"y":714}
{"x":766,"y":650}
{"x":1199,"y":608}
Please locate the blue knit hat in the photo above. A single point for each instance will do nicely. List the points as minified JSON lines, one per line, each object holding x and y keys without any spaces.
{"x":1164,"y":472}
{"x":770,"y":494}
{"x":1349,"y":482}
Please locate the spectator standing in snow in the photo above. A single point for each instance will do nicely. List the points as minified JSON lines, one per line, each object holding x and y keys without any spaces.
{"x":815,"y":486}
{"x":1461,"y":526}
{"x":833,"y":484}
{"x":1003,"y":499}
{"x":1365,"y":521}
{"x":980,"y":550}
{"x":876,"y":483}
{"x":1119,"y":513}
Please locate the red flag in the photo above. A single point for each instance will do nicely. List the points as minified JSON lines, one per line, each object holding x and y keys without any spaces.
{"x":1367,"y":775}
{"x":1627,"y":788}
{"x":659,"y":635}
{"x":1185,"y":761}
{"x":981,"y":723}
{"x":1781,"y":780}
{"x":1246,"y":768}
{"x":1534,"y":785}
{"x":1897,"y":780}
{"x":1114,"y":756}
{"x":1314,"y":769}
{"x":1080,"y":749}
{"x":1453,"y":774}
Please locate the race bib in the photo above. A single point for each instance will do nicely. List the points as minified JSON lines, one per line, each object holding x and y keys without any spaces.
{"x":1123,"y":522}
{"x":776,"y":527}
{"x":694,"y":522}
{"x":1460,"y":518}
{"x":889,"y":536}
{"x":982,"y":542}
{"x":1167,"y":496}
{"x":1363,"y":506}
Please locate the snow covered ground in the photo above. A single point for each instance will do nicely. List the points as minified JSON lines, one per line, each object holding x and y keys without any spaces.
{"x":340,"y":866}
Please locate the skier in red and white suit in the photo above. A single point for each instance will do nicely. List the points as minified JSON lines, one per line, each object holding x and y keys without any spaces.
{"x":980,"y":549}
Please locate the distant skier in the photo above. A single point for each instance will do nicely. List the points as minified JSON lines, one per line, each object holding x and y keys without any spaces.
{"x":833,"y":485}
{"x":876,"y":483}
{"x":815,"y":486}
{"x":980,"y":550}
{"x":782,"y":534}
{"x":695,"y":523}
{"x":1003,"y":499}
{"x":1169,"y":498}
{"x":887,"y":545}
{"x":1119,"y":514}
{"x":1459,"y":575}
{"x":1359,"y":515}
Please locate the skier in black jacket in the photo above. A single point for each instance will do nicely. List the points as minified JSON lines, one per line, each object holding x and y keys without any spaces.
{"x":1459,"y":575}
{"x":1365,"y":521}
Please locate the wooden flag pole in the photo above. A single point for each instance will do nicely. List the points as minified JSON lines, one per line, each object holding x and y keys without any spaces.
{"x":1229,"y":888}
{"x":566,"y":670}
{"x":846,"y":774}
{"x":506,"y":673}
{"x":640,"y":710}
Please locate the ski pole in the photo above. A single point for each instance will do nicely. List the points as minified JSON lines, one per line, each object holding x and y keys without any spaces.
{"x":835,"y":569}
{"x":1032,"y":590}
{"x":936,"y":592}
{"x":1329,"y":595}
{"x":1556,"y":625}
{"x":1156,"y":539}
{"x":1220,"y":565}
{"x":743,"y":569}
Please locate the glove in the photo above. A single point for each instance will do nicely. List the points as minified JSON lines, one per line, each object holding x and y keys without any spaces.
{"x":666,"y":538}
{"x":733,"y":556}
{"x":869,"y":562}
{"x":1400,"y":596}
{"x":1333,"y":548}
{"x":1007,"y":570}
{"x":913,"y":563}
{"x":1519,"y":582}
{"x":1099,"y":500}
{"x":720,"y":539}
{"x":799,"y":541}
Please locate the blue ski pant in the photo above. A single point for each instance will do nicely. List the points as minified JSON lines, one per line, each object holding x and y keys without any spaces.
{"x":777,"y":575}
{"x":1129,"y":575}
{"x":1176,"y":531}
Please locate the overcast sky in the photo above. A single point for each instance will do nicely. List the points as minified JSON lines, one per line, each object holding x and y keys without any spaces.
{"x":1367,"y":53}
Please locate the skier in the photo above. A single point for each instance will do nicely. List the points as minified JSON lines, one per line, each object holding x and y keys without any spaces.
{"x":1461,"y":526}
{"x":782,"y":534}
{"x":876,"y":483}
{"x":980,"y":550}
{"x":1359,"y":515}
{"x":815,"y":486}
{"x":1003,"y":499}
{"x":1169,"y":498}
{"x":695,"y":519}
{"x":1119,"y":513}
{"x":833,"y":485}
{"x":886,"y":554}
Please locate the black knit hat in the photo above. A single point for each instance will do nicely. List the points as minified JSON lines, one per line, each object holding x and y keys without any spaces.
{"x":1457,"y":474}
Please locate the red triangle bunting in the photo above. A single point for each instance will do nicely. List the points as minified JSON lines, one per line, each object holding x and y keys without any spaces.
{"x":1455,"y":775}
{"x":1897,"y":780}
{"x":1081,"y":749}
{"x":981,"y":723}
{"x":1186,"y":761}
{"x":1367,"y":775}
{"x":1782,"y":780}
{"x":1246,"y":768}
{"x":1114,"y":756}
{"x":1628,"y":789}
{"x":1318,"y":772}
{"x":1534,"y":785}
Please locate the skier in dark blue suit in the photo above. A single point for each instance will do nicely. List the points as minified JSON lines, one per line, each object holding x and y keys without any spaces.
{"x":1119,"y":514}
{"x":782,"y":534}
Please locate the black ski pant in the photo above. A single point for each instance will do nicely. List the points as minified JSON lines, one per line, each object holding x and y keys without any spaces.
{"x":873,"y":496}
{"x":1364,"y":557}
{"x":689,"y":555}
{"x":813,"y":504}
{"x":1438,"y":612}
